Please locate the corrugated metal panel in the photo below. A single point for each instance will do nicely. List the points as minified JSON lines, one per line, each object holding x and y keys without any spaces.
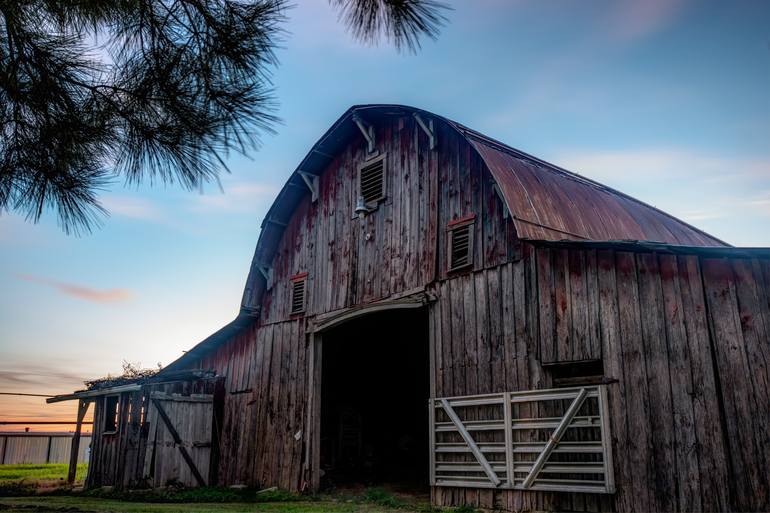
{"x":550,"y":204}
{"x":37,"y":448}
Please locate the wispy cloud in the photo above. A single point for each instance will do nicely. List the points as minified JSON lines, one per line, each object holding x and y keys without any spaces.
{"x":134,"y":208}
{"x":237,"y":197}
{"x":37,"y":378}
{"x":93,"y":295}
{"x":723,"y":195}
{"x":672,"y":163}
{"x":630,"y":20}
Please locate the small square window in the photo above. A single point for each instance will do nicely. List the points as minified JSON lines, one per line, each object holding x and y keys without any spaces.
{"x":371,"y":181}
{"x":460,"y":243}
{"x":298,"y":293}
{"x":111,"y":413}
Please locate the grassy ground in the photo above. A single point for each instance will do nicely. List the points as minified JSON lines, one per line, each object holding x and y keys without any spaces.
{"x":89,"y":504}
{"x":41,"y":489}
{"x":79,"y":503}
{"x":18,"y":480}
{"x":47,"y":472}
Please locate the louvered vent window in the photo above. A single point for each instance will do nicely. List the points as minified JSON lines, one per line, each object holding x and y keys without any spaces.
{"x":371,"y":181}
{"x":460,"y":243}
{"x":298,"y":284}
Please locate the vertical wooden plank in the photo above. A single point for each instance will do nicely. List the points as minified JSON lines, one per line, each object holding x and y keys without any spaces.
{"x":447,"y":341}
{"x":496,"y":336}
{"x":483,"y":350}
{"x":457,"y":328}
{"x":562,"y":305}
{"x":754,"y":314}
{"x":710,"y":451}
{"x":609,"y":322}
{"x":512,"y":329}
{"x":687,"y":475}
{"x":747,"y":478}
{"x":546,"y":301}
{"x":580,"y":337}
{"x":469,"y":334}
{"x":658,"y":381}
{"x":638,"y":448}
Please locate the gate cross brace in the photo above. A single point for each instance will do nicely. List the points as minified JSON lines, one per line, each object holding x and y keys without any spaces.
{"x":471,"y":443}
{"x":555,"y":438}
{"x":178,"y":442}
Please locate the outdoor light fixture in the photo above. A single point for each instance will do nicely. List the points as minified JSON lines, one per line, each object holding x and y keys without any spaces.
{"x":361,"y":209}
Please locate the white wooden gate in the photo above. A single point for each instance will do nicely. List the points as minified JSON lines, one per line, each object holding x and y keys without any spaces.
{"x":179,"y":439}
{"x":556,"y":439}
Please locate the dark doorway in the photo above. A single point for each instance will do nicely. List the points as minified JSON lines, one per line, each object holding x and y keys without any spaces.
{"x":374,"y":400}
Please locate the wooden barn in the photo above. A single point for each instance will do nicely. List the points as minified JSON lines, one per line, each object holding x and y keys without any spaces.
{"x":432,"y":309}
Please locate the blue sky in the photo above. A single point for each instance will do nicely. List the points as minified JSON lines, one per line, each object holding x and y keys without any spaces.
{"x":665,"y":100}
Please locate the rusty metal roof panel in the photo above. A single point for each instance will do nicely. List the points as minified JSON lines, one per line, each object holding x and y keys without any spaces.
{"x":549,"y":203}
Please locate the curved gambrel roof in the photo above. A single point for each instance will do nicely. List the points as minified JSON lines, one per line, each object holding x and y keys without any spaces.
{"x":545,"y":201}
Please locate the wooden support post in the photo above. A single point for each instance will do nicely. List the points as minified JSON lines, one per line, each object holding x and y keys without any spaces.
{"x":609,"y":471}
{"x":314,"y":409}
{"x":508,"y":423}
{"x":48,"y":450}
{"x":471,"y":443}
{"x":555,"y":438}
{"x":178,"y":442}
{"x":75,"y":446}
{"x":432,"y":441}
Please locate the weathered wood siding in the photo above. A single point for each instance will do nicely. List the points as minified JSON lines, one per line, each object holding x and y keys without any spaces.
{"x":683,"y":339}
{"x":396,"y":248}
{"x":265,"y":405}
{"x":400,"y":245}
{"x":118,"y":459}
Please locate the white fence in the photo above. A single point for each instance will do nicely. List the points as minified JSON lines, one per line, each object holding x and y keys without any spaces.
{"x":39,"y":448}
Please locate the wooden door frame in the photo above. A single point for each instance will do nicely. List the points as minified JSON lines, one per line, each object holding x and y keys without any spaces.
{"x":312,"y":467}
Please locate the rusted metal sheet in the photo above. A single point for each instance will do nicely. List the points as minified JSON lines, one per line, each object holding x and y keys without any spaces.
{"x":548,"y":203}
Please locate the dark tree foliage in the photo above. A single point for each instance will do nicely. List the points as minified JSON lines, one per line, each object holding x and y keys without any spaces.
{"x":147,"y":90}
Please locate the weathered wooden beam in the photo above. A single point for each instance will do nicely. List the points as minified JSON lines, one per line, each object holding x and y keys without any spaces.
{"x":428,"y":129}
{"x":506,"y":212}
{"x":471,"y":443}
{"x":178,"y":441}
{"x":311,"y":181}
{"x":75,"y":446}
{"x":555,"y":438}
{"x":367,"y":130}
{"x":94,"y":393}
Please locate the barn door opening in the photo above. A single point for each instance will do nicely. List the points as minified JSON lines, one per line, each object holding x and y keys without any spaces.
{"x":374,"y":397}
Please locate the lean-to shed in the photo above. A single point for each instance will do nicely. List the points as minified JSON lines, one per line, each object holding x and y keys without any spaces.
{"x":428,"y":307}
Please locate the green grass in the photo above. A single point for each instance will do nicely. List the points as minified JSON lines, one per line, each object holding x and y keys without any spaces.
{"x":72,"y":504}
{"x":41,"y":488}
{"x":90,"y":504}
{"x":372,"y":501}
{"x":382,"y":497}
{"x":52,"y":471}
